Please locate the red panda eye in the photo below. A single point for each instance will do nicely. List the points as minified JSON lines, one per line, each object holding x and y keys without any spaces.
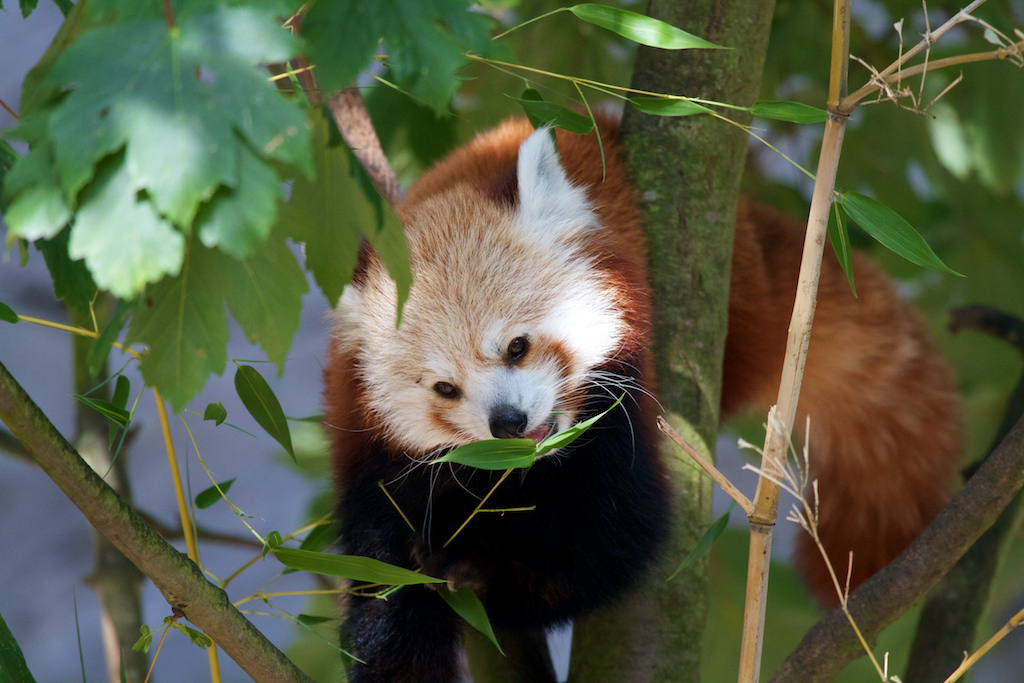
{"x":517,"y":348}
{"x":447,"y":390}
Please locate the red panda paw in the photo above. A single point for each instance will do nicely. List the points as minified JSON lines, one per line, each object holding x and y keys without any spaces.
{"x":457,"y":573}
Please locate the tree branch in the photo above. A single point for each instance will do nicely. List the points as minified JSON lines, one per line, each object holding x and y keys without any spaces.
{"x":830,"y":645}
{"x":180,"y":581}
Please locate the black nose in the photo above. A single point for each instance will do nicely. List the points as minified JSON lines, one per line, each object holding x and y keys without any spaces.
{"x":508,"y":423}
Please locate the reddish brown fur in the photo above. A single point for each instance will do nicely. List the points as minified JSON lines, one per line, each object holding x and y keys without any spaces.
{"x":885,"y":423}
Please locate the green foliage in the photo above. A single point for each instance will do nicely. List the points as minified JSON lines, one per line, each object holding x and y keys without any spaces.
{"x":425,"y":41}
{"x":794,"y":112}
{"x":705,"y":542}
{"x":492,"y":454}
{"x":211,"y":495}
{"x":543,"y":113}
{"x":215,"y":412}
{"x":660,"y":106}
{"x":13,"y":668}
{"x":886,"y":226}
{"x":8,"y":315}
{"x":465,"y":603}
{"x":352,"y":567}
{"x":337,"y":199}
{"x":262,"y":404}
{"x":639,"y":28}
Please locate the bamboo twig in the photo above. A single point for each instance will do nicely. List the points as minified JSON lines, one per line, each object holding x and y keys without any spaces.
{"x":720,"y":479}
{"x":782,"y":416}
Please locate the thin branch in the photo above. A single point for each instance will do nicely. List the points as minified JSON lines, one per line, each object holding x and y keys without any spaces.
{"x":180,"y":581}
{"x":830,"y":645}
{"x":720,"y":479}
{"x":356,"y":127}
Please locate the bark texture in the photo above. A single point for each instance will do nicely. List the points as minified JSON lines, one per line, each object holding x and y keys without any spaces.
{"x":687,"y":172}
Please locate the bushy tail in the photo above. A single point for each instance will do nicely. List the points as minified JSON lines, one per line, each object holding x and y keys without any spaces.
{"x":885,"y":423}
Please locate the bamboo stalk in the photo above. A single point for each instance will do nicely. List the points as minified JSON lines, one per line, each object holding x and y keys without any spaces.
{"x":782,"y":416}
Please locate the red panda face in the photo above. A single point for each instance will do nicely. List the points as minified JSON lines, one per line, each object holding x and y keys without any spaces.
{"x":506,"y":322}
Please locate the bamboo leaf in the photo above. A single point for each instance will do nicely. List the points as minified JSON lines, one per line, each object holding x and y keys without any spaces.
{"x":320,"y":538}
{"x":493,"y":454}
{"x":208,"y":497}
{"x":566,"y":437}
{"x":662,"y":106}
{"x":706,"y":541}
{"x":313,"y":620}
{"x":840,"y":239}
{"x":889,"y":228}
{"x":543,"y":113}
{"x":793,"y":112}
{"x":351,"y":567}
{"x":7,"y":314}
{"x":259,"y":399}
{"x":468,"y":606}
{"x":117,"y":415}
{"x":639,"y":28}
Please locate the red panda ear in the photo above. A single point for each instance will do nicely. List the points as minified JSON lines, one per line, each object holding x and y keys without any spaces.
{"x":548,"y":203}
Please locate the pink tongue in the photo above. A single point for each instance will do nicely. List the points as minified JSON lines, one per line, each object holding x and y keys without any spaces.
{"x":539,"y":433}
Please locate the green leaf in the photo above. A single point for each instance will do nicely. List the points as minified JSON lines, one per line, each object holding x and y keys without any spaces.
{"x":706,"y":541}
{"x":320,"y":538}
{"x":198,"y":638}
{"x":274,"y":541}
{"x":122,"y":390}
{"x":639,"y":28}
{"x":264,"y":294}
{"x":425,"y":40}
{"x":208,"y":497}
{"x":663,"y":106}
{"x":7,"y":314}
{"x":100,"y":348}
{"x":27,"y":6}
{"x":7,"y":159}
{"x":72,"y":281}
{"x":119,"y":416}
{"x":889,"y":228}
{"x":492,"y":454}
{"x":13,"y":668}
{"x":330,"y":215}
{"x":144,"y":642}
{"x":468,"y":606}
{"x":126,"y":244}
{"x":551,"y":114}
{"x":183,"y":322}
{"x":238,"y":219}
{"x":313,"y":620}
{"x":215,"y":412}
{"x":180,"y":131}
{"x":566,"y":437}
{"x":351,"y":567}
{"x":793,"y":112}
{"x":840,"y":239}
{"x":35,"y":205}
{"x":262,"y":404}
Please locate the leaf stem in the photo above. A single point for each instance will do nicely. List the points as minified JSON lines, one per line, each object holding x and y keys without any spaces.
{"x":530,"y":21}
{"x":482,"y":501}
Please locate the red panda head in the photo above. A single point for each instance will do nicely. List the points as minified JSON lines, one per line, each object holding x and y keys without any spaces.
{"x":507,"y":319}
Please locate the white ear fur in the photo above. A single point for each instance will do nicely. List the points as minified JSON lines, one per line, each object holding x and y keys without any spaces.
{"x":549,"y":204}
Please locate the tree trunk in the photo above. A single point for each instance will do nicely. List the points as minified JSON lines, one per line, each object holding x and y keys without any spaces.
{"x":687,"y":171}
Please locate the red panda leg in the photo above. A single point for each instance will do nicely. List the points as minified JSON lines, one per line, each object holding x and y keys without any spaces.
{"x":412,"y":637}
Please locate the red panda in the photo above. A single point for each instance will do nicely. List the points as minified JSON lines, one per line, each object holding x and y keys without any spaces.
{"x":529,"y":312}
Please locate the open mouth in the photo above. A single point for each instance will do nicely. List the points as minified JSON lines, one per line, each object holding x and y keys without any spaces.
{"x":540,"y":433}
